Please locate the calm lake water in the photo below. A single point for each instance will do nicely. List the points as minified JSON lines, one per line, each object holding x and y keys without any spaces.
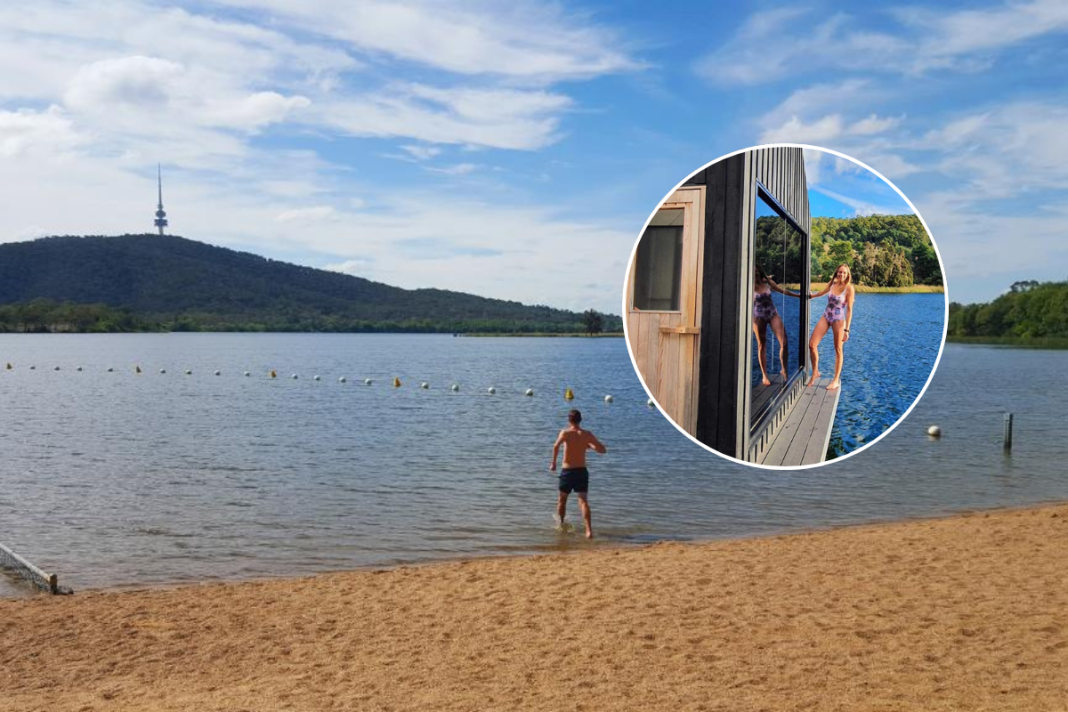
{"x":116,"y":479}
{"x":893,"y":346}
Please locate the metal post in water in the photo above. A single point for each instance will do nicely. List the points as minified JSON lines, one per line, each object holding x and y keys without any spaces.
{"x":1006,"y":437}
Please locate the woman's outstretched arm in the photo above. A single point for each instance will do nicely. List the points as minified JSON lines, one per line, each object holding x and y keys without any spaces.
{"x":781,"y":290}
{"x":822,"y":291}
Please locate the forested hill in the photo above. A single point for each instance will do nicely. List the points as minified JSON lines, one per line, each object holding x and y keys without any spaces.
{"x":167,"y":282}
{"x":1029,"y":310}
{"x":881,"y":250}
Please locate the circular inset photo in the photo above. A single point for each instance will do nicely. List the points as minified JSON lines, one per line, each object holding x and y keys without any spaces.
{"x":785,"y":306}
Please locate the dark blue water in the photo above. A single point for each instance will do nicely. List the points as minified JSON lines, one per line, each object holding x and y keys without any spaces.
{"x":115,"y":479}
{"x":893,"y":347}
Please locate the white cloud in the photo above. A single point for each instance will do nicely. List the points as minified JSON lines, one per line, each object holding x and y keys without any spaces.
{"x":27,"y":131}
{"x":779,"y":43}
{"x":422,"y":153}
{"x":821,"y":132}
{"x":316,"y":213}
{"x":519,"y":39}
{"x":460,"y":169}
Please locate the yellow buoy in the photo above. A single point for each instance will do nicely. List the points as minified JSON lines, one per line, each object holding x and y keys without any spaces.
{"x":396,"y":382}
{"x":569,"y":394}
{"x":274,"y":374}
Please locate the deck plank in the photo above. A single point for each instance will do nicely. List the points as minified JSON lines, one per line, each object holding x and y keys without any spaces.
{"x":803,"y":437}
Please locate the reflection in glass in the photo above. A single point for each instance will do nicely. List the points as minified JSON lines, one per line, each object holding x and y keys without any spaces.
{"x":777,"y":330}
{"x":658,"y":263}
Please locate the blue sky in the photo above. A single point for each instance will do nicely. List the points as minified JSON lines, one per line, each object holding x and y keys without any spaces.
{"x":515,"y":149}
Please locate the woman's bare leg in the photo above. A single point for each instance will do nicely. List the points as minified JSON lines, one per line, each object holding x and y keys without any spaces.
{"x":780,"y":332}
{"x":760,"y":328}
{"x":813,"y":342}
{"x":839,"y":340}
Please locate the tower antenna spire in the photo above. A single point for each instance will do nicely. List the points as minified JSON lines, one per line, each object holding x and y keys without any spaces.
{"x":161,"y":215}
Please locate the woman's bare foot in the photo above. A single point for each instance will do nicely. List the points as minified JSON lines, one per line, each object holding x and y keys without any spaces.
{"x":815,"y":377}
{"x":834,"y":385}
{"x":767,"y":381}
{"x":589,"y":533}
{"x":783,"y":374}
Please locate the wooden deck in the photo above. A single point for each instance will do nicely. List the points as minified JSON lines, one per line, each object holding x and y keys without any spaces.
{"x":803,"y":438}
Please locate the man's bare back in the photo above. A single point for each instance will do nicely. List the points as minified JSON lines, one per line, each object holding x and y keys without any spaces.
{"x":576,"y":442}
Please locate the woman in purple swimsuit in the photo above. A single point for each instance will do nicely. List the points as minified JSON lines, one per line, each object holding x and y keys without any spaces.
{"x":764,"y":313}
{"x":840,"y":296}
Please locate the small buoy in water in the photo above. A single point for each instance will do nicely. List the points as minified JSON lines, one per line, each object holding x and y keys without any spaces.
{"x":218,"y":373}
{"x":569,"y":394}
{"x":163,"y":370}
{"x":189,"y":372}
{"x":274,"y":374}
{"x":491,"y":390}
{"x":455,"y":387}
{"x":137,"y":369}
{"x":530,"y":391}
{"x":342,"y":379}
{"x":316,"y":377}
{"x":34,"y":368}
{"x":79,"y":369}
{"x":110,"y":369}
{"x":424,"y":385}
{"x":9,"y":366}
{"x":934,"y":431}
{"x":368,"y":381}
{"x":396,"y":382}
{"x":56,"y":368}
{"x":247,"y":374}
{"x":651,"y":403}
{"x":294,"y":376}
{"x":608,"y":399}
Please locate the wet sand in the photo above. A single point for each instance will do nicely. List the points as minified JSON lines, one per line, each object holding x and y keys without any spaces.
{"x":964,"y":613}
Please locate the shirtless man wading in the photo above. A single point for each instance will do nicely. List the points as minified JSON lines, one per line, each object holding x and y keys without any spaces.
{"x":574,"y":476}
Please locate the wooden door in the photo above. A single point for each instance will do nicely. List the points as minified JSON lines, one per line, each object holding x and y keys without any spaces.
{"x":663,"y":304}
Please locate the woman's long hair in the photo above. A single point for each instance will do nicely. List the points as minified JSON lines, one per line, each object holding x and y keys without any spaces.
{"x":761,"y":277}
{"x":849,"y":274}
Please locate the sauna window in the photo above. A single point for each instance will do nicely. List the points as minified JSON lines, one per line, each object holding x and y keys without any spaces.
{"x":658,"y":263}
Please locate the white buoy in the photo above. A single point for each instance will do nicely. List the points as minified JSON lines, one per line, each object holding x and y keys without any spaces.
{"x":530,"y":391}
{"x":491,"y":390}
{"x":294,"y":376}
{"x":368,"y":381}
{"x":247,"y":374}
{"x":218,"y":373}
{"x":934,"y":431}
{"x":424,"y":385}
{"x":608,"y":399}
{"x":189,"y":372}
{"x":342,"y":379}
{"x":79,"y":368}
{"x":163,"y":370}
{"x":651,"y":403}
{"x":110,"y":369}
{"x":456,"y":387}
{"x":316,"y":378}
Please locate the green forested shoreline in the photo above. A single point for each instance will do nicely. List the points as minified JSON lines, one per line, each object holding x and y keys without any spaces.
{"x":1030,"y":314}
{"x":881,"y":250}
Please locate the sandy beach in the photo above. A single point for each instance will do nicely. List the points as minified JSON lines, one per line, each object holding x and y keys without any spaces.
{"x":964,"y":613}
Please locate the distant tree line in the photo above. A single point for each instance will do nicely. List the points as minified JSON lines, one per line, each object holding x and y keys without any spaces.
{"x":881,"y":250}
{"x":153,"y":282}
{"x":1029,"y":310}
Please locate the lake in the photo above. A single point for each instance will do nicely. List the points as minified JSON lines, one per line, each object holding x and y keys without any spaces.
{"x":893,"y":346}
{"x":119,"y":479}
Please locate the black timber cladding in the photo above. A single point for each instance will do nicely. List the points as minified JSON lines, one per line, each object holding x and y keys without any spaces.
{"x":731,"y":194}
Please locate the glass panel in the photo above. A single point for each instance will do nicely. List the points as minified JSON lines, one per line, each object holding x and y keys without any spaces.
{"x":658,"y":263}
{"x":776,"y":314}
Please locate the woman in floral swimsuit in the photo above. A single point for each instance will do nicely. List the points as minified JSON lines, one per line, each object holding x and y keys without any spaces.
{"x":764,"y":313}
{"x":837,"y":317}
